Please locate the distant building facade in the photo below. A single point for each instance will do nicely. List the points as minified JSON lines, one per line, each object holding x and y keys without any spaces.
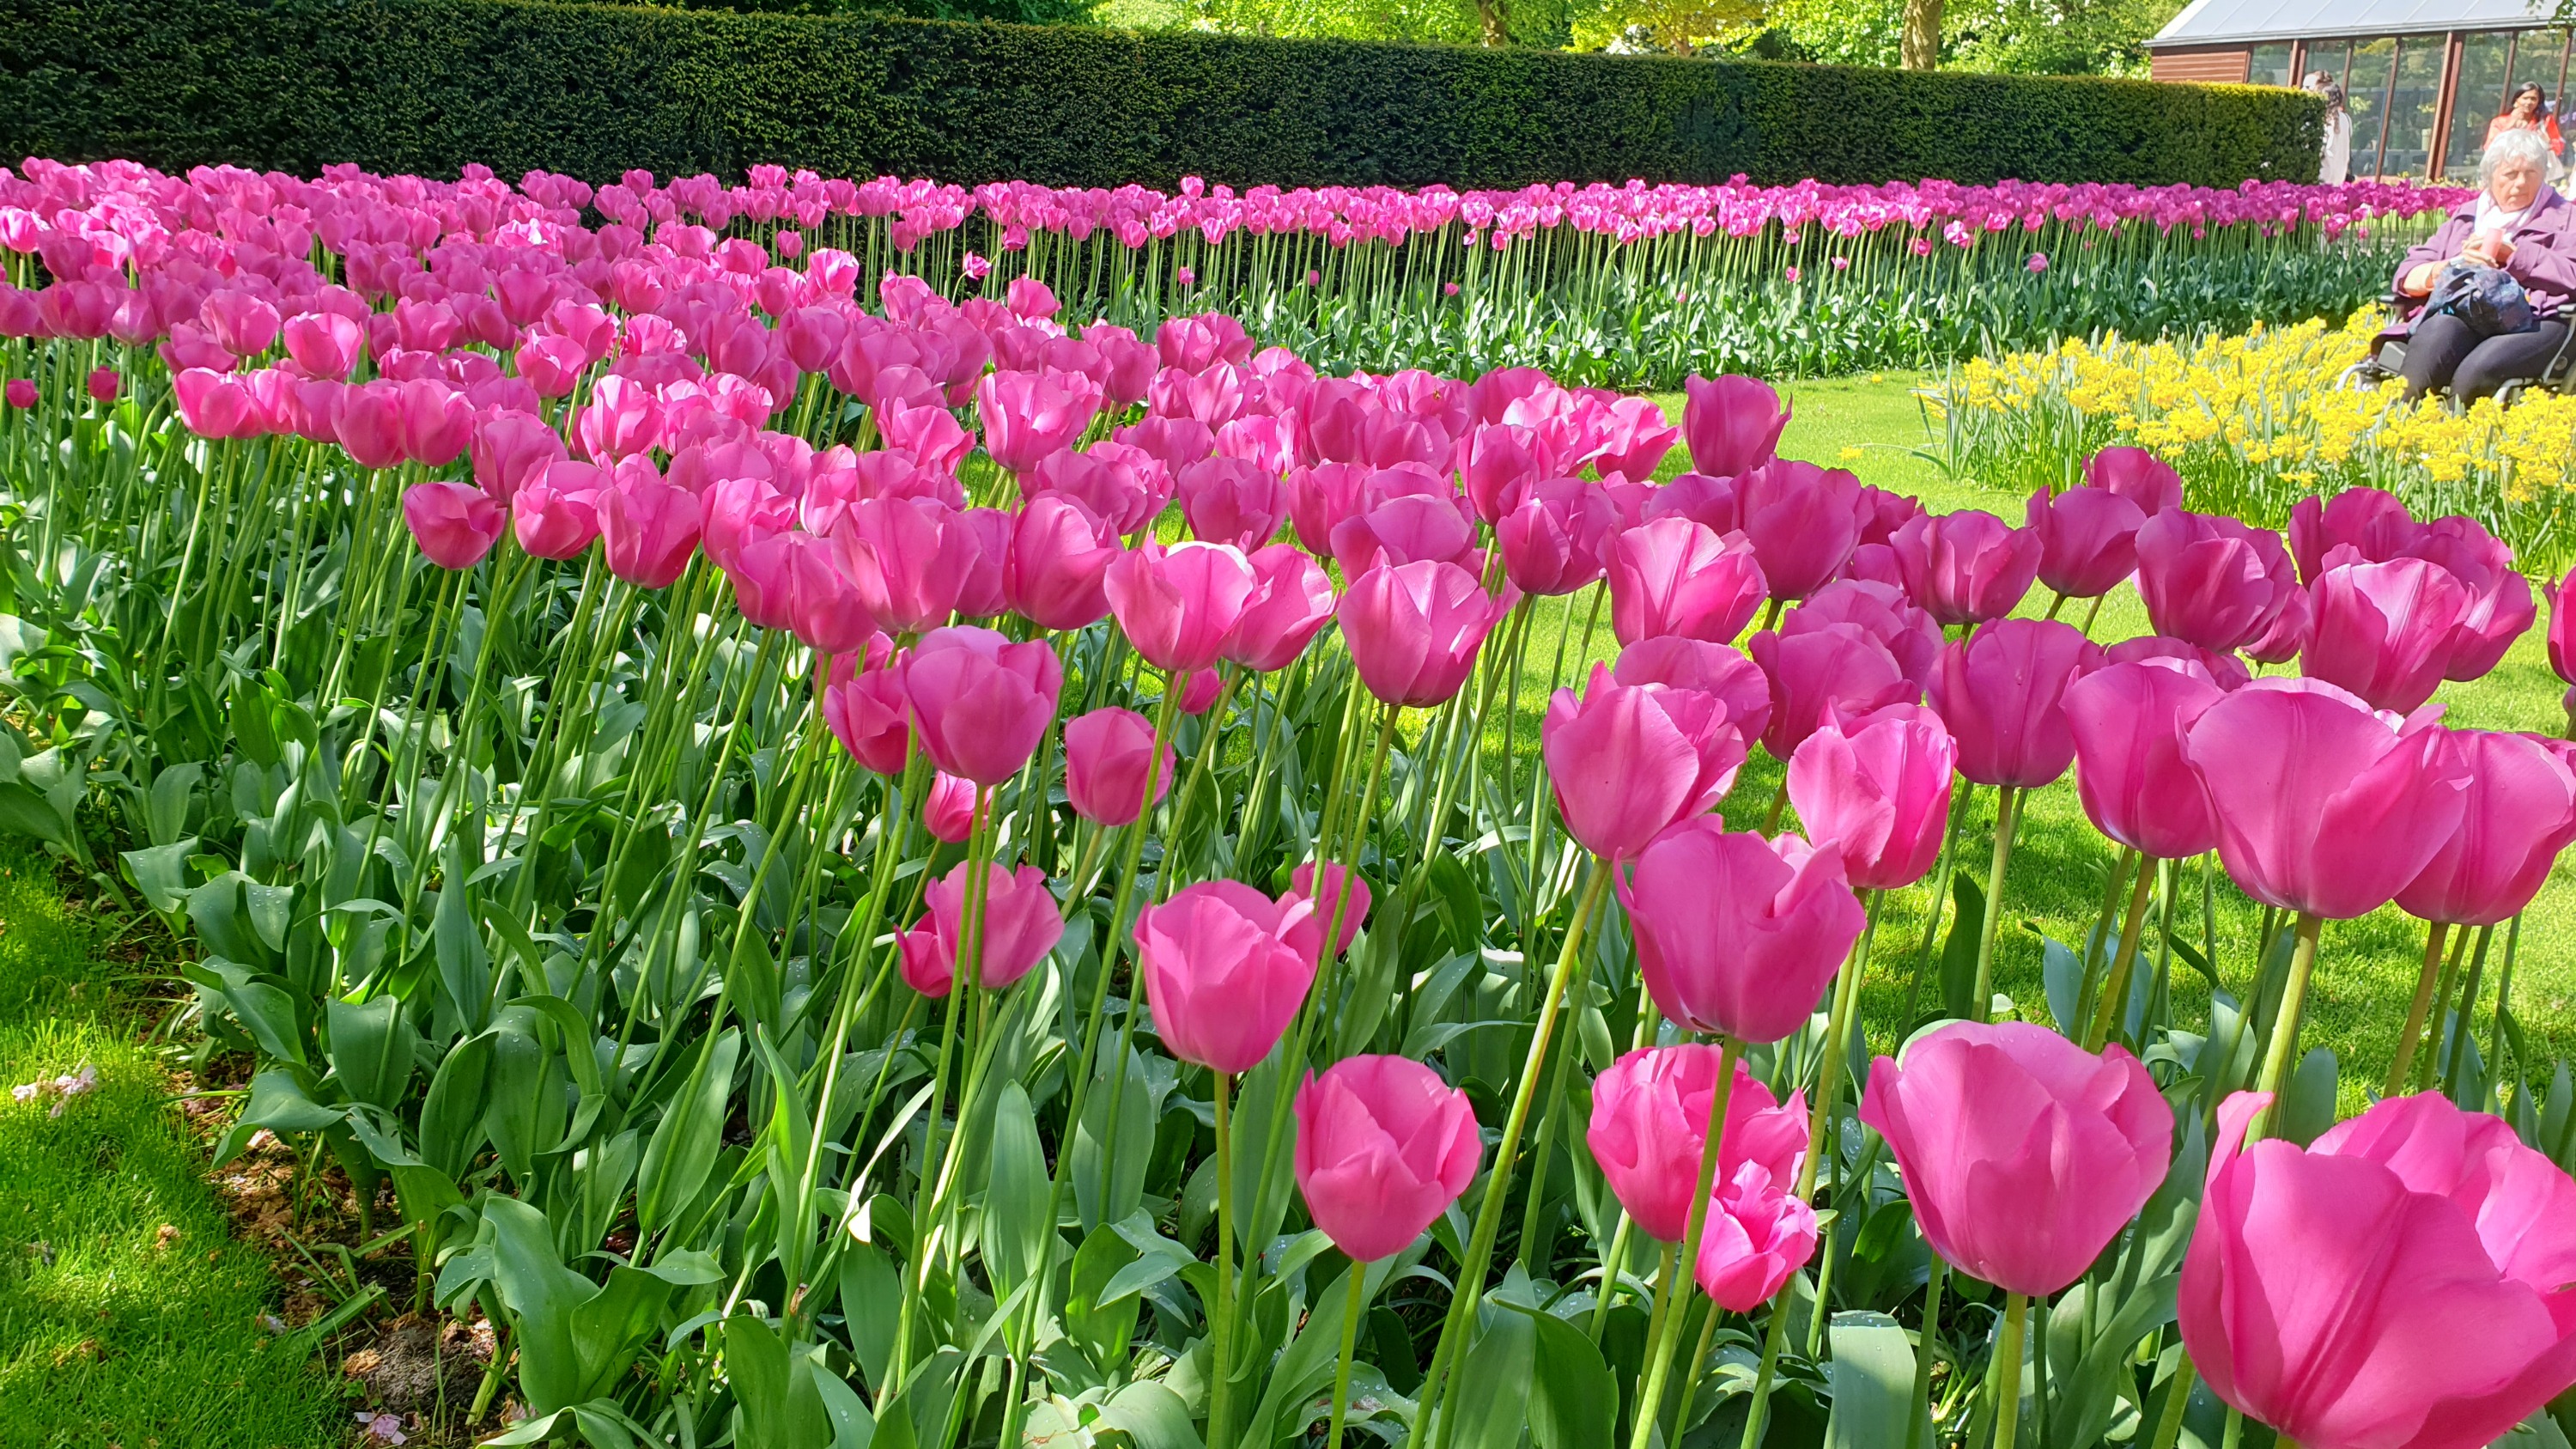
{"x":2421,"y":77}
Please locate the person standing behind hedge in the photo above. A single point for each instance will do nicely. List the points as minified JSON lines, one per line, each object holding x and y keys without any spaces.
{"x":2517,"y":223}
{"x":2335,"y":155}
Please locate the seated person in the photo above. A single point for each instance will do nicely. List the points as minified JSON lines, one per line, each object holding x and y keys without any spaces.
{"x":2520,"y":224}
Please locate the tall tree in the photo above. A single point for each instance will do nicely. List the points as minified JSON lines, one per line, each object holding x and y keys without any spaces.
{"x":1920,"y":48}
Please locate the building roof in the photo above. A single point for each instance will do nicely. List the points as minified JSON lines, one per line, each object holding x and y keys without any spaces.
{"x":2208,"y":22}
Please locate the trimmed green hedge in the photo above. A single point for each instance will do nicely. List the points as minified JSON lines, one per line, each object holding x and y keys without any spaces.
{"x":428,"y":86}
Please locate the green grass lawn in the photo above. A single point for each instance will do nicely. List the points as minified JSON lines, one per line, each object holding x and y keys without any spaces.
{"x":1873,"y":426}
{"x":129,"y":1316}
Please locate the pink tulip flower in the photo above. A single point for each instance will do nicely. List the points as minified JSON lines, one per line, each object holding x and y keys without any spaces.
{"x":948,"y":813}
{"x":2518,"y":812}
{"x":866,"y":713}
{"x":1738,"y":934}
{"x":1384,"y":1146}
{"x":2137,"y":475}
{"x":1229,"y":500}
{"x":2374,"y":524}
{"x":1718,"y":670}
{"x":510,"y":448}
{"x":2210,"y":580}
{"x":1414,"y":629}
{"x":1731,"y":424}
{"x":1650,"y":1126}
{"x":1674,"y":576}
{"x":2403,"y":1281}
{"x":1291,"y":602}
{"x":1802,"y":520}
{"x":2384,"y":630}
{"x":980,"y":703}
{"x":2127,"y":721}
{"x":1179,"y":606}
{"x":1881,"y":611}
{"x":649,"y":528}
{"x":1756,"y":1235}
{"x":1354,"y":902}
{"x":324,"y":344}
{"x":2024,"y":1154}
{"x":1966,"y":567}
{"x":1555,"y":541}
{"x":909,"y":558}
{"x":1027,"y":415}
{"x":1105,"y":765}
{"x":454,"y":523}
{"x":103,"y":384}
{"x":2088,"y":539}
{"x":1626,"y":761}
{"x":1876,"y":790}
{"x":1821,"y":671}
{"x":2002,"y":695}
{"x":1225,"y":970}
{"x":1056,"y":565}
{"x":2323,"y":806}
{"x":1021,"y":923}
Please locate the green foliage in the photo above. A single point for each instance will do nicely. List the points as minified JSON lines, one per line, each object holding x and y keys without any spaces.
{"x":431,"y":86}
{"x":2012,"y":37}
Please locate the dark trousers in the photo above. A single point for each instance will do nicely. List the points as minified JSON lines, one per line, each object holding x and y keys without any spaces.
{"x":2443,"y":350}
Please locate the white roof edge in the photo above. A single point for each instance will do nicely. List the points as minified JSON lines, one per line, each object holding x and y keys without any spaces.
{"x":2238,"y":22}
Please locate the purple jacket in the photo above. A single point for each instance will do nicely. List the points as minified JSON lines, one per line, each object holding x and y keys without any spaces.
{"x":2544,"y":252}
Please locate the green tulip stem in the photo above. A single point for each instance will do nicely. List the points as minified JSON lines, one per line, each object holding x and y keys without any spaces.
{"x":2285,"y":1028}
{"x":1650,"y":1402}
{"x":2441,"y":1008}
{"x":1915,"y":1431}
{"x":2177,"y":1398}
{"x":2008,"y":1370}
{"x":1829,"y":1080}
{"x":2504,"y":996}
{"x":2461,"y":1030}
{"x":1981,"y":1004}
{"x":1932,"y":908}
{"x":1772,"y":1338}
{"x":1498,"y":1183}
{"x":2115,"y":992}
{"x":2413,"y":1031}
{"x":1222,"y":1330}
{"x":1351,"y":1311}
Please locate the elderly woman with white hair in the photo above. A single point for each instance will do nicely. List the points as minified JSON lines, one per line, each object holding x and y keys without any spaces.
{"x":2519,"y":223}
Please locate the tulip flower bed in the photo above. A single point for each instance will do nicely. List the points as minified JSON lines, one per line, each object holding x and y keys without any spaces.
{"x":1033,"y":884}
{"x":1630,"y":286}
{"x":2261,"y":420}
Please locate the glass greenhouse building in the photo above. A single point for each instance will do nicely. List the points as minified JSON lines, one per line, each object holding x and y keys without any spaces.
{"x":2422,"y":77}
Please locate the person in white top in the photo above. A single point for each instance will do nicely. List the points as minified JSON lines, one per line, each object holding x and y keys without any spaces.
{"x":2334,"y":159}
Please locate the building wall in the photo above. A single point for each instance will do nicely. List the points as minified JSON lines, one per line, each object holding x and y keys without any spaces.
{"x":2221,"y":63}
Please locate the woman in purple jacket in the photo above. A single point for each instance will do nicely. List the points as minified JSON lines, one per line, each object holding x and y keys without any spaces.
{"x":2520,"y":224}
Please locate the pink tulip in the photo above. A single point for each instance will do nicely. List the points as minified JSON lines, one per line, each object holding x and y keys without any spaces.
{"x":979,"y":702}
{"x":1229,"y":500}
{"x":1755,"y":1237}
{"x":1179,"y":606}
{"x":1882,"y":513}
{"x":1732,"y":424}
{"x":649,"y":528}
{"x":2088,"y":539}
{"x":1802,"y":520}
{"x":1059,"y":555}
{"x":2384,"y":630}
{"x":552,"y":365}
{"x":1027,"y":415}
{"x":2128,"y":720}
{"x":824,"y":609}
{"x":1819,"y":672}
{"x":1881,"y":611}
{"x":1719,"y":670}
{"x":556,"y":513}
{"x":1122,"y":486}
{"x":103,"y":384}
{"x":1291,"y":602}
{"x":2401,"y":1282}
{"x":436,"y":422}
{"x":1105,"y":765}
{"x":1406,"y":528}
{"x":1876,"y":790}
{"x":1498,"y":464}
{"x":1354,"y":902}
{"x":867,"y":714}
{"x":2323,"y":806}
{"x":2024,"y":1154}
{"x":623,"y":419}
{"x":2372,"y":523}
{"x":454,"y":523}
{"x":2500,"y":602}
{"x":1738,"y":934}
{"x":324,"y":344}
{"x":2225,"y":670}
{"x":1555,"y":540}
{"x":1384,"y":1146}
{"x":1414,"y":629}
{"x":1626,"y":761}
{"x":1199,"y":691}
{"x":368,"y":423}
{"x":740,"y":512}
{"x":510,"y":448}
{"x":1225,"y":970}
{"x":1021,"y":923}
{"x":2137,"y":475}
{"x":948,"y":813}
{"x":1650,"y":1126}
{"x":246,"y":325}
{"x":1966,"y":567}
{"x":2001,"y":693}
{"x":2562,"y":633}
{"x":910,"y":559}
{"x":2518,"y":812}
{"x":1674,"y":576}
{"x":2210,"y":580}
{"x":1695,"y":496}
{"x":1321,"y":499}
